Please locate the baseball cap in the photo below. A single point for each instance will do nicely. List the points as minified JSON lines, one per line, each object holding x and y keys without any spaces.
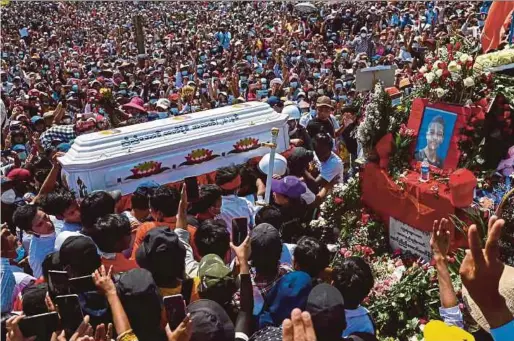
{"x":163,"y":103}
{"x":274,"y":100}
{"x":212,"y":271}
{"x":19,"y":148}
{"x":141,"y":300}
{"x":19,"y":174}
{"x":289,"y":186}
{"x":324,"y":101}
{"x":35,"y":119}
{"x":80,"y":253}
{"x":210,"y":322}
{"x":159,"y":246}
{"x":326,"y":306}
{"x":265,"y":239}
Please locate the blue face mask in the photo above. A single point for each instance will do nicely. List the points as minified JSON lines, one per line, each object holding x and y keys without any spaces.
{"x":174,"y":111}
{"x":325,"y":71}
{"x":259,"y":70}
{"x":203,"y":58}
{"x":76,"y":75}
{"x":310,"y":60}
{"x":243,"y":78}
{"x":20,"y":254}
{"x":249,"y":58}
{"x":293,"y":84}
{"x":184,"y":73}
{"x":263,"y":61}
{"x":22,"y":156}
{"x":317,"y":75}
{"x":339,"y":86}
{"x":200,"y":72}
{"x":312,"y":112}
{"x":344,"y":54}
{"x":263,"y":86}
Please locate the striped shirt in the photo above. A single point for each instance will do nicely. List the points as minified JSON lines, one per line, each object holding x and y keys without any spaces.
{"x":8,"y":284}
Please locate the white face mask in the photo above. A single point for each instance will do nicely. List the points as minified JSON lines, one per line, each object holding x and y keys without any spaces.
{"x":9,"y":197}
{"x":363,"y":35}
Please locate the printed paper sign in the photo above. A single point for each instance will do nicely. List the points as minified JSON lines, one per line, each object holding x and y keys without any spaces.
{"x":407,"y":238}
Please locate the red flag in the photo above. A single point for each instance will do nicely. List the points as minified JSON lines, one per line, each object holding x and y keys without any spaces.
{"x":495,"y":24}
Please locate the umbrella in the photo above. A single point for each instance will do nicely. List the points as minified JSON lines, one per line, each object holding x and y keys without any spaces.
{"x":305,"y":8}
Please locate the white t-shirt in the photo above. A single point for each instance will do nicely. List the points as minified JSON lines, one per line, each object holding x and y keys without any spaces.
{"x":330,"y":169}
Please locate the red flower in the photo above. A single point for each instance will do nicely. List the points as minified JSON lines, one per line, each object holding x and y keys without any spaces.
{"x":506,"y":114}
{"x":357,"y":248}
{"x":470,"y":128}
{"x":457,"y":46}
{"x":338,"y":201}
{"x":397,"y":252}
{"x":364,"y":219}
{"x":423,"y":321}
{"x":451,"y":260}
{"x":443,"y":65}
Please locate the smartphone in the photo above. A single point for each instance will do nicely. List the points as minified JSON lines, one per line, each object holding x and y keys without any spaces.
{"x":187,"y":288}
{"x":192,"y":188}
{"x":6,"y":153}
{"x":239,"y":230}
{"x":175,"y":310}
{"x":70,"y":312}
{"x":42,"y":325}
{"x":81,"y":284}
{"x":58,"y":283}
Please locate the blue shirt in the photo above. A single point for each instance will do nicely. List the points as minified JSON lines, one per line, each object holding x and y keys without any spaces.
{"x":503,"y":333}
{"x":39,"y":248}
{"x":8,"y":284}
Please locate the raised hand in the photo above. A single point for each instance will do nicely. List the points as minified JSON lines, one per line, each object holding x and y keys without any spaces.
{"x":481,"y":271}
{"x":440,"y":240}
{"x":299,"y":328}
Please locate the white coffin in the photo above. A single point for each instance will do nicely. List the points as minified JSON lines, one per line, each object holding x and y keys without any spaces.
{"x":113,"y":159}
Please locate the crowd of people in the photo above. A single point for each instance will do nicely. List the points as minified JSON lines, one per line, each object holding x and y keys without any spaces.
{"x":73,"y":68}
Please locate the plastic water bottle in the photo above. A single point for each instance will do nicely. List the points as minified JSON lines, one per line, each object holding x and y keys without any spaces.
{"x":425,"y":171}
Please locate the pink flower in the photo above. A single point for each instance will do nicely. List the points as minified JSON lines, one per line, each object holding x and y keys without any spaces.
{"x":423,"y":321}
{"x":343,"y":251}
{"x":338,"y":201}
{"x":357,"y":248}
{"x":397,"y":252}
{"x":451,"y":260}
{"x":398,"y":263}
{"x":348,"y":254}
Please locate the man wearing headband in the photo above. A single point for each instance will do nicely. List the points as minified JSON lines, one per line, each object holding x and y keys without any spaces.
{"x":232,"y":206}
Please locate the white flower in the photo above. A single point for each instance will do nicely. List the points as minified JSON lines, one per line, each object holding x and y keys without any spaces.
{"x":430,"y":77}
{"x":464,"y":57}
{"x":440,"y":92}
{"x":435,"y":66}
{"x":453,"y":66}
{"x":439,"y":73}
{"x":469,"y":82}
{"x":423,"y":69}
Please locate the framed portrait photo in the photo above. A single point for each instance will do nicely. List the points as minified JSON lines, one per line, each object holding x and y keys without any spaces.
{"x":434,"y":136}
{"x":438,"y":127}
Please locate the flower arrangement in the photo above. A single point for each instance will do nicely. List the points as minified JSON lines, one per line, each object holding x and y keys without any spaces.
{"x":379,"y":119}
{"x":494,"y":59}
{"x":403,"y":145}
{"x":449,"y":76}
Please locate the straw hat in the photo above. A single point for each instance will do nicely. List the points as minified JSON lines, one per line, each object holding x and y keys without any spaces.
{"x":506,"y":290}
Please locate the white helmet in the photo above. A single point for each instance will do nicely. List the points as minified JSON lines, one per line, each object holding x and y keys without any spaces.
{"x":292,"y":111}
{"x":280,"y":164}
